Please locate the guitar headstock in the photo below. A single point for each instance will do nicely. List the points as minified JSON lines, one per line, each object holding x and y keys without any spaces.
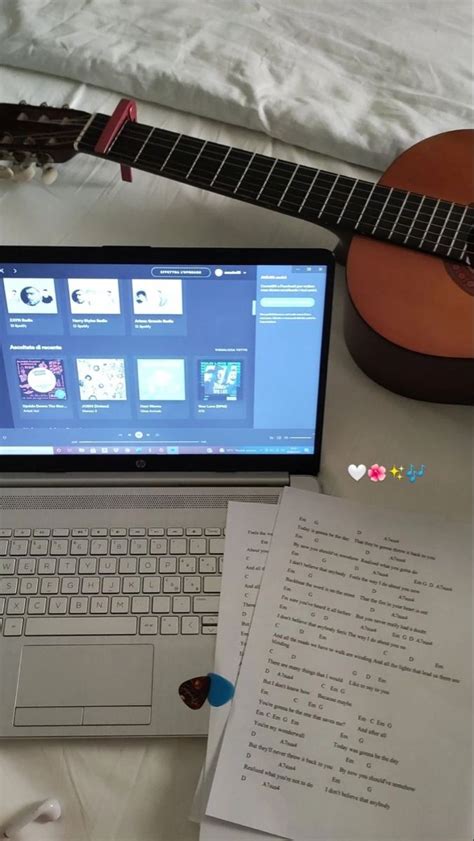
{"x":37,"y":135}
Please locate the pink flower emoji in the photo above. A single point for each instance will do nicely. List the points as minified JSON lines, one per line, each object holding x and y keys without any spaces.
{"x":376,"y":473}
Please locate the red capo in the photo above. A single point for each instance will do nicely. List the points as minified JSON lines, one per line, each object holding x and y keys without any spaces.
{"x":125,"y":112}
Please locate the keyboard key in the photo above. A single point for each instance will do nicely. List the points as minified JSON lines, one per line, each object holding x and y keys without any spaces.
{"x":67,"y":566}
{"x":211,"y":584}
{"x":210,"y":630}
{"x":198,"y":546}
{"x":107,"y":566}
{"x":22,"y":532}
{"x":178,"y":546}
{"x":206,"y":604}
{"x":81,"y":626}
{"x":100,"y":546}
{"x":156,"y":532}
{"x":60,"y":532}
{"x":7,"y":567}
{"x":26,"y":566}
{"x":16,"y":606}
{"x":221,"y":564}
{"x":79,"y":605}
{"x":59,"y":547}
{"x":148,"y":625}
{"x":8,"y":586}
{"x":87,"y":566}
{"x":19,"y":547}
{"x":140,"y":604}
{"x":137,"y":532}
{"x":139,"y":546}
{"x":169,"y":625}
{"x":58,"y":605}
{"x":39,"y":547}
{"x":90,"y":585}
{"x":5,"y":532}
{"x":147,"y":566}
{"x":161,"y":604}
{"x":70,"y":586}
{"x":131,"y":584}
{"x":119,"y":546}
{"x":37,"y":605}
{"x":99,"y":533}
{"x":120,"y":604}
{"x":3,"y":547}
{"x":187,"y":565}
{"x":80,"y":532}
{"x":190,"y":624}
{"x":158,"y":546}
{"x":13,"y":627}
{"x":207,"y":565}
{"x":111,"y":585}
{"x":174,"y":531}
{"x":118,"y":532}
{"x":41,"y":532}
{"x":171,"y":584}
{"x":2,"y":605}
{"x":212,"y":532}
{"x":181,"y":604}
{"x":216,"y":546}
{"x":49,"y":586}
{"x":209,"y":620}
{"x":29,"y":586}
{"x":99,"y":604}
{"x":168,"y":566}
{"x":79,"y":547}
{"x":194,"y":532}
{"x":192,"y":584}
{"x":151,"y":584}
{"x":127,"y":566}
{"x":46,"y":566}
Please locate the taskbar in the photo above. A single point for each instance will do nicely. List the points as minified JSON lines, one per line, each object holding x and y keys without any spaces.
{"x":182,"y":450}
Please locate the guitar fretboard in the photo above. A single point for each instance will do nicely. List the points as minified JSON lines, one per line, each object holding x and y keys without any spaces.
{"x":404,"y":218}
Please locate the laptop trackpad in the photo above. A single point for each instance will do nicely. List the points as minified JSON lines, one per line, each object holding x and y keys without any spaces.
{"x":85,"y":676}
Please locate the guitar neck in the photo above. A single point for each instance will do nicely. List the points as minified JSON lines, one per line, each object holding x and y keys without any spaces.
{"x":411,"y":220}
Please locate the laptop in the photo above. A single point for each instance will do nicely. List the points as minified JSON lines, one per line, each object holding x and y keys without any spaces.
{"x":141,"y":389}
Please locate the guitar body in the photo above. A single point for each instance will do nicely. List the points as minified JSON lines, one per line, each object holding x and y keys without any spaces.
{"x":409,"y":317}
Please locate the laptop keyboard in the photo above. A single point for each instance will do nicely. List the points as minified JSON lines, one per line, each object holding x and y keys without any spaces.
{"x":118,"y":581}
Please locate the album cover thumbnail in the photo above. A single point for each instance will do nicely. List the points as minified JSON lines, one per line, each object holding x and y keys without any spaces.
{"x":161,"y":379}
{"x":99,"y":296}
{"x":32,"y":296}
{"x":101,"y":379}
{"x":220,"y":379}
{"x":41,"y":379}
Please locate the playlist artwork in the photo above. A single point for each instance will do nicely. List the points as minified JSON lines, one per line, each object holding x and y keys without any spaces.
{"x":220,"y":380}
{"x":41,"y":379}
{"x":101,"y":379}
{"x":32,"y":296}
{"x":88,"y":296}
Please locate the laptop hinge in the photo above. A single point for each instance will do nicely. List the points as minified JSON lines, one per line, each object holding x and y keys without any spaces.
{"x":151,"y":479}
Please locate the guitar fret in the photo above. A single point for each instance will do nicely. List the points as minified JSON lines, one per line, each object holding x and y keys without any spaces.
{"x":243,"y":174}
{"x":428,"y":224}
{"x":313,"y":182}
{"x":444,"y":225}
{"x":456,"y":232}
{"x":383,"y":208}
{"x":365,"y":205}
{"x":286,"y":188}
{"x":266,"y":179}
{"x":346,"y":203}
{"x":83,"y":131}
{"x":196,"y":159}
{"x":170,"y":152}
{"x":398,"y":216}
{"x":328,"y":195}
{"x":414,"y":219}
{"x":461,"y":256}
{"x":229,"y":150}
{"x":143,"y":145}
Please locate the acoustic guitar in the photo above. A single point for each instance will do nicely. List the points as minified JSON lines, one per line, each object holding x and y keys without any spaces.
{"x":409,"y":314}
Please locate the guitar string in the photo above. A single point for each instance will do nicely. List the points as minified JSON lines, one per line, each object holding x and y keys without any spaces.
{"x":315,"y":191}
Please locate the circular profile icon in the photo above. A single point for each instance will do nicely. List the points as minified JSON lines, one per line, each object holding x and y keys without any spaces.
{"x":41,"y":380}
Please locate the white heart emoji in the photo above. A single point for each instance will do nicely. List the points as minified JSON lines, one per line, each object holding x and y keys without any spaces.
{"x":357,"y":471}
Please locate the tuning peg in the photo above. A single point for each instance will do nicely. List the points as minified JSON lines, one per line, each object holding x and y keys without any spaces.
{"x":25,"y":173}
{"x":22,"y":102}
{"x":43,"y":104}
{"x":6,"y":173}
{"x":66,"y":105}
{"x":49,"y":174}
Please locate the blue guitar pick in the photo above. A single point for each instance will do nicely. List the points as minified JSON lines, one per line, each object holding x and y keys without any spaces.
{"x":221,"y":690}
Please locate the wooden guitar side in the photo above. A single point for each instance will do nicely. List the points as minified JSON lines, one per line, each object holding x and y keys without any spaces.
{"x":409,"y":317}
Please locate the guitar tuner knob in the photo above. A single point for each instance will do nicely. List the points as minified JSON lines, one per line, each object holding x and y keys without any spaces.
{"x":43,"y":119}
{"x":25,"y":173}
{"x":22,"y":102}
{"x":43,"y":104}
{"x":6,"y":173}
{"x":49,"y":174}
{"x":66,"y":105}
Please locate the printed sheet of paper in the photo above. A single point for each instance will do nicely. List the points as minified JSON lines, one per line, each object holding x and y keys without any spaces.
{"x":249,"y":530}
{"x":352,"y":715}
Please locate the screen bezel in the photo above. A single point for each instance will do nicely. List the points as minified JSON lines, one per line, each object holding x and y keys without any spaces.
{"x":308,"y":464}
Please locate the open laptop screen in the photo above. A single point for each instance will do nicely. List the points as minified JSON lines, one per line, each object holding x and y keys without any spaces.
{"x":166,"y":357}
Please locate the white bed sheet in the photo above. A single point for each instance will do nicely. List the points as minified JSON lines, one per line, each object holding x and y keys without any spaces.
{"x":358,"y":80}
{"x":142,"y":790}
